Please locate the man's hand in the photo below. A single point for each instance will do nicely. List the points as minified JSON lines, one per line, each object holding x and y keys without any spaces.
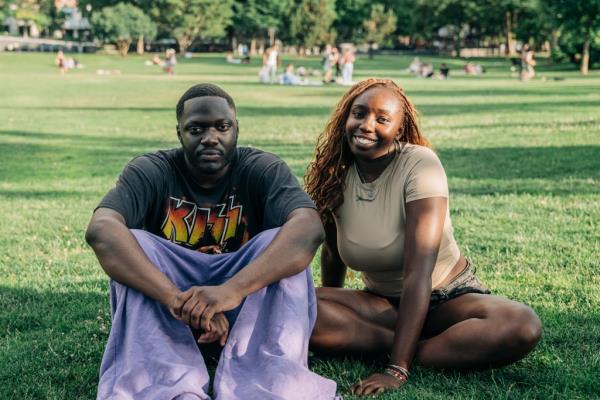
{"x":219,"y":330}
{"x":197,"y":305}
{"x":375,"y":384}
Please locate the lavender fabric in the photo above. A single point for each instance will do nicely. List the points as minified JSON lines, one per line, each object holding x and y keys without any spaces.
{"x":151,"y":355}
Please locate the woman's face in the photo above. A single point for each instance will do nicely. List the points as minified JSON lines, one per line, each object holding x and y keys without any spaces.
{"x":374,"y":122}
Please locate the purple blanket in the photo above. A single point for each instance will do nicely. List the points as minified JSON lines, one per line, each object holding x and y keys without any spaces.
{"x":151,"y":355}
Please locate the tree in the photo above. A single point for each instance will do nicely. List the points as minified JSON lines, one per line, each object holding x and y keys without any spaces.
{"x":201,"y":18}
{"x":380,"y":24}
{"x":122,"y":24}
{"x":254,"y":19}
{"x":310,"y":23}
{"x":350,"y":15}
{"x":580,"y":20}
{"x":28,"y":11}
{"x":457,"y":16}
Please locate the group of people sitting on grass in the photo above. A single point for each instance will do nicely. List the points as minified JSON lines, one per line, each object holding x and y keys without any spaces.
{"x":208,"y":247}
{"x":65,"y":63}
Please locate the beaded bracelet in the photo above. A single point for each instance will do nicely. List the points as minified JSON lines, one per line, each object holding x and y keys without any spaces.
{"x":397,"y":372}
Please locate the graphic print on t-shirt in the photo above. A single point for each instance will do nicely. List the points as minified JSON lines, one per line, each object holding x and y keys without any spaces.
{"x":220,"y":228}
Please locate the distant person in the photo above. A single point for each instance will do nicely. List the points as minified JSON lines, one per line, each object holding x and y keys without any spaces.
{"x":327,"y":64}
{"x":65,"y":63}
{"x":59,"y":60}
{"x":382,"y":193}
{"x":232,"y":60}
{"x":473,"y":69}
{"x":427,"y":70}
{"x":348,"y":66}
{"x":444,"y":71}
{"x":271,"y":62}
{"x":527,"y":63}
{"x":245,"y":54}
{"x":415,"y":66}
{"x":335,"y":61}
{"x":170,"y":61}
{"x":289,"y":77}
{"x":193,"y":239}
{"x":168,"y":64}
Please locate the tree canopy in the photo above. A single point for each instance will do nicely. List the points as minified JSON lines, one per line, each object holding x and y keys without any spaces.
{"x":569,"y":28}
{"x":122,"y":23}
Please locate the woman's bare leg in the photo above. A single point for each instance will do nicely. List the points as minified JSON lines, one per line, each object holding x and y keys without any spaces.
{"x":472,"y":331}
{"x":352,"y":322}
{"x":476,"y":331}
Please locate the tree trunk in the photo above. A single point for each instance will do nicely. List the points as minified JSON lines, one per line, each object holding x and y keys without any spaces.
{"x":253,"y":47}
{"x":261,"y":47}
{"x":140,"y":45}
{"x":370,"y":50}
{"x":585,"y":59}
{"x":234,"y":45}
{"x":510,"y":36}
{"x":554,"y":41}
{"x":123,"y":46}
{"x":457,"y":45}
{"x":184,"y":42}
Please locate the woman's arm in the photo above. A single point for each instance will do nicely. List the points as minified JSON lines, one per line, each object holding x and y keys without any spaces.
{"x":333,"y":269}
{"x":424,"y":226}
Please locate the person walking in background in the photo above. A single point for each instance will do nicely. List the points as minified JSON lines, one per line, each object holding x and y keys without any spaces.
{"x":335,"y":61}
{"x":347,"y":66}
{"x":271,"y":62}
{"x":327,"y":64}
{"x":527,"y":63}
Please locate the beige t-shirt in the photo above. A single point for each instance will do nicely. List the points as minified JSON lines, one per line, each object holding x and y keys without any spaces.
{"x":372,"y":220}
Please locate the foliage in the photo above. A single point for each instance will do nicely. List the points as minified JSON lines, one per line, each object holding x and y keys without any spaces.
{"x":200,"y":18}
{"x":122,"y":24}
{"x":350,"y":15}
{"x":253,"y":18}
{"x":380,"y":24}
{"x":579,"y":22}
{"x":310,"y":23}
{"x":30,"y":11}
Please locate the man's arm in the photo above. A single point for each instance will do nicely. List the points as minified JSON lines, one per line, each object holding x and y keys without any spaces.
{"x":290,"y":252}
{"x":123,"y":259}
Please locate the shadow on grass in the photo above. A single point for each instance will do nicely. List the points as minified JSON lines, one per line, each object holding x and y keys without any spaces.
{"x":52,"y":341}
{"x":534,"y":170}
{"x":463,"y":108}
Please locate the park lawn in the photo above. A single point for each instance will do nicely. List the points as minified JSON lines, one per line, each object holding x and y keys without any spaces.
{"x":523,"y":162}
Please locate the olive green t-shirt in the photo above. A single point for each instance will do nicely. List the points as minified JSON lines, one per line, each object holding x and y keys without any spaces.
{"x":371,"y":222}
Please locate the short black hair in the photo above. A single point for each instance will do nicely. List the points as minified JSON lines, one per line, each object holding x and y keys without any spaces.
{"x":203,"y":90}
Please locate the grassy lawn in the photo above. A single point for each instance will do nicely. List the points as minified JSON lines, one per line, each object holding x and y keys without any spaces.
{"x":523,"y":162}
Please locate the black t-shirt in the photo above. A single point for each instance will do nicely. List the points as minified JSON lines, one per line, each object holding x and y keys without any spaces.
{"x":258,"y":193}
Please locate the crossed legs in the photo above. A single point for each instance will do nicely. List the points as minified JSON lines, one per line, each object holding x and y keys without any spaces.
{"x":472,"y":331}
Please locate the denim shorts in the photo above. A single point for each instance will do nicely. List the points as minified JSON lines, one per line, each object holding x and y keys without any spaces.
{"x":463,"y":283}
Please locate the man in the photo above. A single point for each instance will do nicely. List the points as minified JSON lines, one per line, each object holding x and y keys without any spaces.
{"x":208,"y":196}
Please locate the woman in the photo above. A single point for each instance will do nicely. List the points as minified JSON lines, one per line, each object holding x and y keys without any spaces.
{"x":383,"y":197}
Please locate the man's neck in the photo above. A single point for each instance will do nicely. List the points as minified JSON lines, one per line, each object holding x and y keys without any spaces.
{"x":206,"y":181}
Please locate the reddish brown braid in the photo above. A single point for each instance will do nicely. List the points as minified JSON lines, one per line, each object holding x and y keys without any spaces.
{"x":326,"y":174}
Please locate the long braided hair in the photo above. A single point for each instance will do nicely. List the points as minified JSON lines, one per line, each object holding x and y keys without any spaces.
{"x":326,"y":174}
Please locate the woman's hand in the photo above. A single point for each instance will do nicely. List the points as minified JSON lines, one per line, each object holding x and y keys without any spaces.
{"x":376,"y":384}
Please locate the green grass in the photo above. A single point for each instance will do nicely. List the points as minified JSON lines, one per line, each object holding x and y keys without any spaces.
{"x":523,"y":161}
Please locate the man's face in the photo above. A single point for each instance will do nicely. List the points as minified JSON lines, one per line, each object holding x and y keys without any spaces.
{"x":208,"y":133}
